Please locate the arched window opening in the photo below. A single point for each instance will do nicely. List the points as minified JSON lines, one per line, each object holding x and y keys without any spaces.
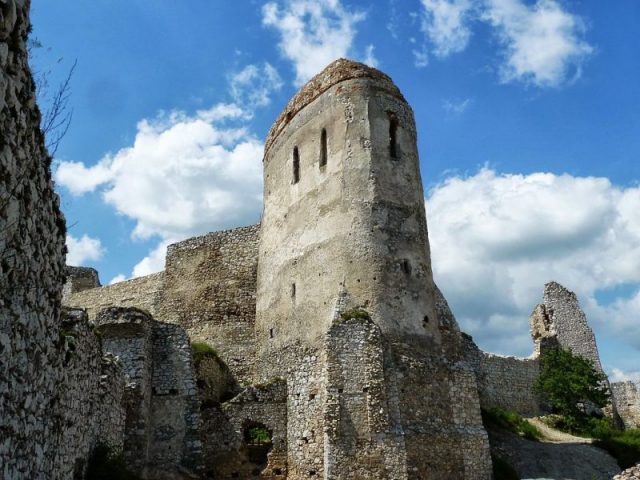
{"x":393,"y":135}
{"x":323,"y":148}
{"x":296,"y":165}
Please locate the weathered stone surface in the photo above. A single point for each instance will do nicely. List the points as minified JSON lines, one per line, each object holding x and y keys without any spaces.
{"x":626,"y":399}
{"x":79,"y":279}
{"x":632,"y":473}
{"x":58,"y":395}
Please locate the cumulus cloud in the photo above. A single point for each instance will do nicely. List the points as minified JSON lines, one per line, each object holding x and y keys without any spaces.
{"x":154,"y":262}
{"x":83,"y":249}
{"x":543,"y":42}
{"x":617,"y":375}
{"x":446,"y":25}
{"x":254,"y":85}
{"x":496,"y":239}
{"x":183,"y":175}
{"x":118,"y":278}
{"x":313,"y":33}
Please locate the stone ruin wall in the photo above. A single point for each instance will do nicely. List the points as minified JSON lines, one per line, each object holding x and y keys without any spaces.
{"x":208,"y":287}
{"x":210,"y":290}
{"x":162,"y":432}
{"x":58,"y":395}
{"x":626,"y":398}
{"x":503,"y":381}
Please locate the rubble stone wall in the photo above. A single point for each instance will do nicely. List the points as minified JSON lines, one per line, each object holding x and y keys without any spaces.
{"x":143,"y":293}
{"x":210,"y":290}
{"x":626,"y":399}
{"x":163,"y":421}
{"x":504,"y":382}
{"x":58,"y":396}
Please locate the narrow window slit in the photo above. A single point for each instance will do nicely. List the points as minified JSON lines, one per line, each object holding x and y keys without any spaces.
{"x":393,"y":135}
{"x":296,"y":165}
{"x":323,"y":148}
{"x":293,"y":290}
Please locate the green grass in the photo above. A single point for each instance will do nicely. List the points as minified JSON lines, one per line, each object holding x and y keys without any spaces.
{"x":510,"y":421}
{"x":624,"y":446}
{"x":355,"y":313}
{"x":502,"y":470}
{"x":201,"y":351}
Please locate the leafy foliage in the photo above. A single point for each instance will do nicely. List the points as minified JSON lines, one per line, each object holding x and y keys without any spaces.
{"x":569,"y":382}
{"x":108,"y":464}
{"x":257,"y":434}
{"x":499,"y":418}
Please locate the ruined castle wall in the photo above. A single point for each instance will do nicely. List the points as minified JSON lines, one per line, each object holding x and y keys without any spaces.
{"x":210,"y":290}
{"x":58,"y":398}
{"x":626,"y":399}
{"x":90,"y":406}
{"x":504,"y":382}
{"x":162,"y":428}
{"x":228,"y":454}
{"x":440,"y":413}
{"x":361,"y":440}
{"x":143,"y":292}
{"x":569,"y":323}
{"x":77,"y":280}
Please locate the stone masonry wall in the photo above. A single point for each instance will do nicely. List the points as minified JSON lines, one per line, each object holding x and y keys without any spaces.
{"x":228,"y":454}
{"x":210,"y":290}
{"x":504,"y":382}
{"x":143,"y":292}
{"x":163,"y":421}
{"x":626,"y":398}
{"x":58,"y":395}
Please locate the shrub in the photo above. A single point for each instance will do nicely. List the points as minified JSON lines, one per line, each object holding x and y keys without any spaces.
{"x":510,"y":421}
{"x":257,"y":434}
{"x":107,"y":463}
{"x":569,"y":382}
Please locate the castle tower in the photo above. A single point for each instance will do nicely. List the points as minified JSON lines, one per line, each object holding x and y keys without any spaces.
{"x":345,"y":307}
{"x":343,"y":210}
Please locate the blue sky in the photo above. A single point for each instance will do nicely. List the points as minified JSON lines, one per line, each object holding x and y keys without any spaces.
{"x":527,"y":115}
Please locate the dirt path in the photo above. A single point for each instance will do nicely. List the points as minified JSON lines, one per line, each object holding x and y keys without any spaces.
{"x":551,"y":435}
{"x":559,"y":456}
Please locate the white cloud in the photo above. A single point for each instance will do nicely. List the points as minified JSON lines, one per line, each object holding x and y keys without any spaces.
{"x":313,"y":33}
{"x":496,"y":239}
{"x":543,"y":42}
{"x":446,"y":24}
{"x":83,"y":249}
{"x":154,"y":262}
{"x":456,"y":107}
{"x":118,"y":278}
{"x":254,"y":84}
{"x":183,"y":175}
{"x":618,"y":375}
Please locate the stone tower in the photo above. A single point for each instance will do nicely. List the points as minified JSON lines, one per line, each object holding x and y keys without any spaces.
{"x":344,"y":210}
{"x":346,"y":309}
